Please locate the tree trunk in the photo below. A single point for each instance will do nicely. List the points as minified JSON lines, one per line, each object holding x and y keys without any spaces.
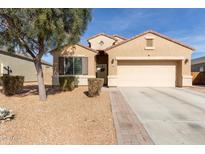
{"x":41,"y":85}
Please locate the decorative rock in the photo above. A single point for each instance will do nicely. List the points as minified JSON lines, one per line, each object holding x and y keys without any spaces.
{"x":5,"y":115}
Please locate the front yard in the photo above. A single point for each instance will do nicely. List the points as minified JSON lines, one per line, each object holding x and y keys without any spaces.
{"x":66,"y":118}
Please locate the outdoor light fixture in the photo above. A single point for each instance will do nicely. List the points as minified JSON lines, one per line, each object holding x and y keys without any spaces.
{"x":186,"y":61}
{"x":101,"y":43}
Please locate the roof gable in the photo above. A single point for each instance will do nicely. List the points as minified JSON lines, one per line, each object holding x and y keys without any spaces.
{"x":102,"y":34}
{"x":152,"y":32}
{"x":80,"y":45}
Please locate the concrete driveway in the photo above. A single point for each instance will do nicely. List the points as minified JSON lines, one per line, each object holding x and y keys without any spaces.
{"x":170,"y":115}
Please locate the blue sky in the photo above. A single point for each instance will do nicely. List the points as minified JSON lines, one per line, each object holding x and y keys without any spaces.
{"x":185,"y":25}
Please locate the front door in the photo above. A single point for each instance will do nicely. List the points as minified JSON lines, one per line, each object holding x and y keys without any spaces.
{"x":102,"y":72}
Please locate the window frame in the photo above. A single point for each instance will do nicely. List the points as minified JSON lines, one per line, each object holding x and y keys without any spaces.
{"x":149,"y":47}
{"x":149,"y":43}
{"x":73,"y":66}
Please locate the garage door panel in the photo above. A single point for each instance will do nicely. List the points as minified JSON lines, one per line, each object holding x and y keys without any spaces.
{"x":147,"y":75}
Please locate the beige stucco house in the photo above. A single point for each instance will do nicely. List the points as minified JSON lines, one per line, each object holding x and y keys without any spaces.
{"x":21,"y":64}
{"x":149,"y":59}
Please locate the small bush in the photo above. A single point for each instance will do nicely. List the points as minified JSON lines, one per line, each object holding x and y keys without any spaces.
{"x":68,"y":83}
{"x":94,"y":86}
{"x":12,"y":84}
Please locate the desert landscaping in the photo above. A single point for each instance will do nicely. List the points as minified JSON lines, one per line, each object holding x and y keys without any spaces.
{"x":65,"y":118}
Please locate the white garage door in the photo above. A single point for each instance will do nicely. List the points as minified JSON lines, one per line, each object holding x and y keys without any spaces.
{"x":146,"y":74}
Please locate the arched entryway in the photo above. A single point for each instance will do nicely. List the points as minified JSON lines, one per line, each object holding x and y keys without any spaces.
{"x":102,"y":66}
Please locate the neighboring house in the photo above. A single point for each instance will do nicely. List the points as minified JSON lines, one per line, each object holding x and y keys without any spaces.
{"x":149,"y":59}
{"x":22,"y":65}
{"x":198,"y":64}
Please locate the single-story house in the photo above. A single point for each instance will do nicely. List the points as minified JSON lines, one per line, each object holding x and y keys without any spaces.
{"x":198,"y":64}
{"x":149,"y":59}
{"x":20,"y":64}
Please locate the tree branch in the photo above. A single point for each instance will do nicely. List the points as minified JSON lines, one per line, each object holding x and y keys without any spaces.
{"x":21,"y":40}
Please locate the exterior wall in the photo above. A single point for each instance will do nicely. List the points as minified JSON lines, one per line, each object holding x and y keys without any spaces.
{"x":162,"y":48}
{"x":78,"y":52}
{"x":95,"y":42}
{"x":22,"y":67}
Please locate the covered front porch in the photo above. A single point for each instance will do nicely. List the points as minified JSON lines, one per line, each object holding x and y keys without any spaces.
{"x":101,"y":60}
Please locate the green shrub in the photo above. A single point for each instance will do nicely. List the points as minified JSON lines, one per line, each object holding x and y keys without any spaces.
{"x":94,"y":86}
{"x":12,"y":84}
{"x":68,"y":83}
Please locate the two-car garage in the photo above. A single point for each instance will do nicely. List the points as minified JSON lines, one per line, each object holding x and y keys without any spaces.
{"x":149,"y":60}
{"x":146,"y":73}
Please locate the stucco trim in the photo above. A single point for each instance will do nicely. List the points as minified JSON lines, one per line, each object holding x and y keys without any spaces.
{"x":186,"y":80}
{"x":152,"y":32}
{"x":151,"y":58}
{"x":149,"y":48}
{"x":112,"y":80}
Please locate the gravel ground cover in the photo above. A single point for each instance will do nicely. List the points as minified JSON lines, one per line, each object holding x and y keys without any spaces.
{"x":66,"y":118}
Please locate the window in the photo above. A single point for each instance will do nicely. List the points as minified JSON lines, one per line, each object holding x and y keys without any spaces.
{"x":149,"y":43}
{"x":73,"y":65}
